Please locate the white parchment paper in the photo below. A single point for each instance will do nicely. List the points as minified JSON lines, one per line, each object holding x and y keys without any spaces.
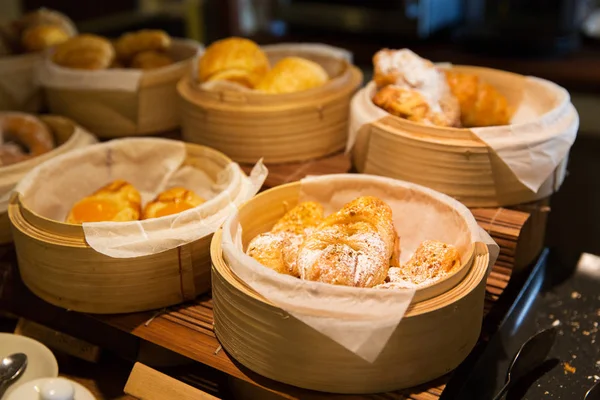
{"x":151,"y":165}
{"x":124,"y":79}
{"x":533,"y":144}
{"x":360,"y":319}
{"x":10,"y":175}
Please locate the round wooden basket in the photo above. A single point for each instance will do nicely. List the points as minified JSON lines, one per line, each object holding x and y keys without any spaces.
{"x":67,"y":136}
{"x":280,"y":128}
{"x":151,"y":109}
{"x":436,"y":334}
{"x":453,"y":161}
{"x":19,"y":90}
{"x":58,"y":265}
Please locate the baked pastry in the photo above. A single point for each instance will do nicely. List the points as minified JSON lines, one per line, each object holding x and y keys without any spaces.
{"x":413,"y":88}
{"x":130,"y":44}
{"x":172,"y":201}
{"x":351,"y":247}
{"x":85,"y":52}
{"x":431,"y":261}
{"x":150,"y":59}
{"x":293,"y":74}
{"x":24,"y":136}
{"x":233,"y":59}
{"x":480,"y":103}
{"x":41,"y":37}
{"x":117,"y":201}
{"x":278,"y":249}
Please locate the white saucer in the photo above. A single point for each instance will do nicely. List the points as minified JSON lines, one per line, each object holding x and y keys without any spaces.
{"x":53,"y":388}
{"x":40,"y":360}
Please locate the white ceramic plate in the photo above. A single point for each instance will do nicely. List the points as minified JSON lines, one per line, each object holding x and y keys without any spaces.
{"x":54,"y":386}
{"x":40,"y":360}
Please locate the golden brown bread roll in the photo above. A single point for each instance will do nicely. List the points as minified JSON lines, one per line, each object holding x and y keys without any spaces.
{"x":150,"y":59}
{"x":351,"y":247}
{"x":172,"y":201}
{"x":43,"y":37}
{"x":293,"y":74}
{"x":233,"y":59}
{"x":27,"y":131}
{"x":480,"y":103}
{"x":117,"y":201}
{"x":85,"y":52}
{"x":278,"y":249}
{"x":130,"y":44}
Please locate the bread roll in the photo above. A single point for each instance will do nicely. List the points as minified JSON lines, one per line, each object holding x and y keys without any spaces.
{"x":293,"y":74}
{"x":42,"y":37}
{"x":150,"y":59}
{"x":118,"y":201}
{"x":233,"y":59}
{"x":172,"y":201}
{"x":85,"y":52}
{"x":130,"y":44}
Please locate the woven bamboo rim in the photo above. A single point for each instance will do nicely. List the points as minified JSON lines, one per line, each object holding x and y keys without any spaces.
{"x":67,"y":138}
{"x":450,"y":160}
{"x":272,"y":343}
{"x":58,"y":265}
{"x":280,"y":128}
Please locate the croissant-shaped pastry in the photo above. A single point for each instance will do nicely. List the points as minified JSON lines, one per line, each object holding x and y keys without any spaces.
{"x":133,"y":43}
{"x":293,"y":74}
{"x":117,"y":201}
{"x":480,"y":103}
{"x":150,"y":59}
{"x":85,"y":52}
{"x":172,"y":201}
{"x":351,"y":247}
{"x":278,"y":249}
{"x":233,"y":59}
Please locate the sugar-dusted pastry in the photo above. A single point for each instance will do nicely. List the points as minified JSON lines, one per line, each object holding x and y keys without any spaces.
{"x":233,"y":59}
{"x":351,"y":247}
{"x":293,"y":74}
{"x":117,"y":201}
{"x":85,"y":52}
{"x":24,"y":136}
{"x":171,"y":201}
{"x":431,"y":261}
{"x":480,"y":103}
{"x":413,"y":88}
{"x":278,"y":249}
{"x":42,"y":37}
{"x":130,"y":44}
{"x":150,"y":59}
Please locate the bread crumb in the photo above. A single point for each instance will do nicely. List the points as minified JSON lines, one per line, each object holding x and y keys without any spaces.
{"x":556,"y":323}
{"x":586,"y":333}
{"x":569,"y":368}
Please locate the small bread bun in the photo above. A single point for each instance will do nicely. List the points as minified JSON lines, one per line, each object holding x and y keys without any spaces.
{"x":42,"y":37}
{"x":85,"y":52}
{"x":150,"y":59}
{"x":118,"y":201}
{"x":293,"y":74}
{"x":170,"y":202}
{"x":130,"y":44}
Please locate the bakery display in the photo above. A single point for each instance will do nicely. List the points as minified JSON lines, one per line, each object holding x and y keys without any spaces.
{"x":24,"y":136}
{"x":35,"y":31}
{"x":171,"y":201}
{"x":243,"y":62}
{"x":413,"y":88}
{"x":117,"y":201}
{"x":355,"y":246}
{"x":145,"y":49}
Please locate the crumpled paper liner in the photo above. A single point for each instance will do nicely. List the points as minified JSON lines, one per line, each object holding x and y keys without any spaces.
{"x":152,"y":166}
{"x":532,"y":146}
{"x":360,"y":319}
{"x":19,"y":88}
{"x":10,"y":175}
{"x":318,"y":49}
{"x":123,"y":79}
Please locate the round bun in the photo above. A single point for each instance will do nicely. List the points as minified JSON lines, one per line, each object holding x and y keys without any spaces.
{"x":42,"y":37}
{"x":293,"y":74}
{"x":85,"y":52}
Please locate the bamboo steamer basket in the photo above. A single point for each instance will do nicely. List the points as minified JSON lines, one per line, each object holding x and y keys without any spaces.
{"x":450,"y":160}
{"x":436,"y":334}
{"x":19,"y":90}
{"x":280,"y":128}
{"x":67,"y":136}
{"x":111,"y":113}
{"x":57,"y":264}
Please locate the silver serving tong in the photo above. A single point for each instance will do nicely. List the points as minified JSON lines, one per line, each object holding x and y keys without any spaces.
{"x":593,"y":393}
{"x":531,"y":354}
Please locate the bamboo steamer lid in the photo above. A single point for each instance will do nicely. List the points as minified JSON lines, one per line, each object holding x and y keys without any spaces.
{"x":68,"y":136}
{"x":280,"y":128}
{"x":58,"y":265}
{"x":435,"y":335}
{"x":454,"y":161}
